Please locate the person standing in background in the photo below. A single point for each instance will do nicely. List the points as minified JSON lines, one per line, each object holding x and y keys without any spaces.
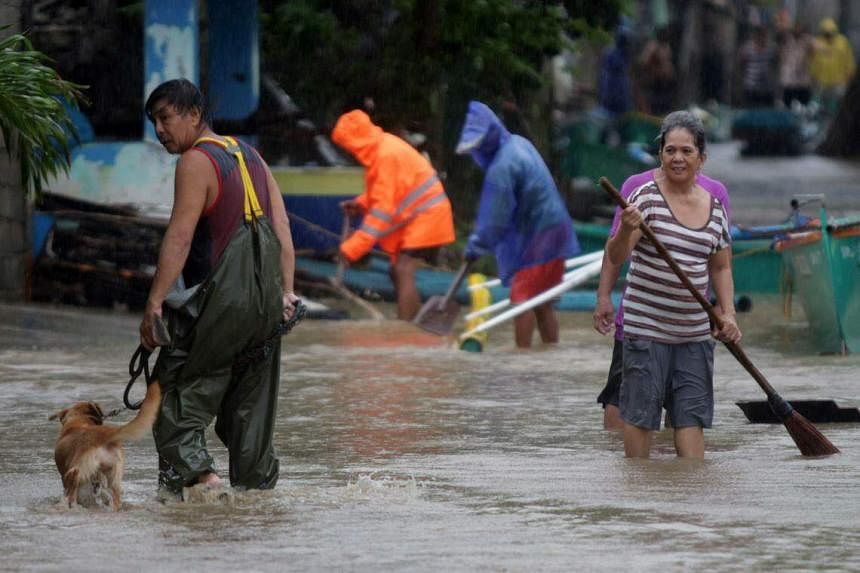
{"x":657,"y":72}
{"x":758,"y":61}
{"x":614,"y":94}
{"x":832,"y":65}
{"x":795,"y":57}
{"x":521,"y":218}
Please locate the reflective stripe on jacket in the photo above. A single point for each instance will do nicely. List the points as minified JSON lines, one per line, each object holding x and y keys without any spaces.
{"x":404,"y":202}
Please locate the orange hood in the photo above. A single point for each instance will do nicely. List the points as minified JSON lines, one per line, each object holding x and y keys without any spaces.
{"x":357,"y":134}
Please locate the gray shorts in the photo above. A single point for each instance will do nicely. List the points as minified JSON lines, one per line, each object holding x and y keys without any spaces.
{"x":678,"y":377}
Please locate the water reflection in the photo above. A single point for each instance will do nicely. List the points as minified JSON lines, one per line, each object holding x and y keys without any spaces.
{"x":401,"y":453}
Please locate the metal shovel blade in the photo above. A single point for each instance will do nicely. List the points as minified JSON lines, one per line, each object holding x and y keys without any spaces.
{"x":438,"y":315}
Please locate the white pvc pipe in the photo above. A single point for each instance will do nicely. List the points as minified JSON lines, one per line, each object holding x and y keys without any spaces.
{"x":505,"y":302}
{"x":577,"y":277}
{"x":488,"y":309}
{"x":568,"y":264}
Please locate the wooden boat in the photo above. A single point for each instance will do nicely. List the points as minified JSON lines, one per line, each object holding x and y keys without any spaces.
{"x":373,"y":281}
{"x":92,"y":254}
{"x":823,"y":269}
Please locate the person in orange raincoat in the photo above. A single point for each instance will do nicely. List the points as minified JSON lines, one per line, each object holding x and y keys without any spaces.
{"x":404,"y":205}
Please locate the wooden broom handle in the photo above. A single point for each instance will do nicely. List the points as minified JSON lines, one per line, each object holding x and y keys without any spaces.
{"x":733,"y":347}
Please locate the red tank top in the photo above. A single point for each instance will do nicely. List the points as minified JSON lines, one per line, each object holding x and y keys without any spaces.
{"x":217,"y":224}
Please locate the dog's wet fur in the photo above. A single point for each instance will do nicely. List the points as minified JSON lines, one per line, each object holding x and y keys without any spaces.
{"x":89,"y":454}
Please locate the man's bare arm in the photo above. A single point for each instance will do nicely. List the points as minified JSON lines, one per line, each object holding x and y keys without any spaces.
{"x":281,"y":225}
{"x":188,"y":203}
{"x":190,"y":194}
{"x":720,"y":270}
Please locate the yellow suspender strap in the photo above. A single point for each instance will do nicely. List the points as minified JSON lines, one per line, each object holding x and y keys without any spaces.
{"x":252,"y":205}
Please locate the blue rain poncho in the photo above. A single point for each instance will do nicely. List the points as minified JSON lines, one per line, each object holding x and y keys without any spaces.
{"x":521,"y":216}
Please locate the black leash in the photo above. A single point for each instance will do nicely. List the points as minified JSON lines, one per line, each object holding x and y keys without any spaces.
{"x":264,"y":349}
{"x":139,"y":363}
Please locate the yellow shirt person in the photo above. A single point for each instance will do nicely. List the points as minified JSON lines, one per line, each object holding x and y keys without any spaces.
{"x":832,"y":64}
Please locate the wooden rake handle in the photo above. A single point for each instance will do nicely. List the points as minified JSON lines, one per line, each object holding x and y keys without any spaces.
{"x":341,"y":264}
{"x":733,"y":347}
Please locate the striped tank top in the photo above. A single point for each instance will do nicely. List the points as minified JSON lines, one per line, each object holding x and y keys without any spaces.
{"x":657,"y":305}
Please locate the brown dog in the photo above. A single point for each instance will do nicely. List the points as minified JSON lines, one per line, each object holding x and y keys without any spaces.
{"x":88,"y":453}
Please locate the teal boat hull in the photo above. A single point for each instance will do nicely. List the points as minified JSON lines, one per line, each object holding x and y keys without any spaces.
{"x":374,"y":278}
{"x":756,"y":267}
{"x":824,"y":274}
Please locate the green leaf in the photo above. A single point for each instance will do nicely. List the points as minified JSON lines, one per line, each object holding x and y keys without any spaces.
{"x":34,"y":124}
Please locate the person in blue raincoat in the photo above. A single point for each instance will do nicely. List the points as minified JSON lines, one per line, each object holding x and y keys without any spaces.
{"x":522,"y":218}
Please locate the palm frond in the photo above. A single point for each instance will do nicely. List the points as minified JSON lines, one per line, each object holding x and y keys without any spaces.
{"x":33,"y":121}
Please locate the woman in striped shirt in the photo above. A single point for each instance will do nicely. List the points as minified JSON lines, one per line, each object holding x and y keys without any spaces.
{"x":668,"y":351}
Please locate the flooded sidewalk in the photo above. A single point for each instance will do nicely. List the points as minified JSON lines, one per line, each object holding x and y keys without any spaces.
{"x":400,"y":453}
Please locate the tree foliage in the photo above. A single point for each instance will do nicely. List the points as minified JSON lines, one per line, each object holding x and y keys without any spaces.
{"x":33,"y":121}
{"x":327,"y":53}
{"x":423,"y":60}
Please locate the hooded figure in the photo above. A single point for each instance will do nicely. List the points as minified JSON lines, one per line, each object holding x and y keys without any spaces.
{"x":521,"y":216}
{"x":404,"y":202}
{"x":614,"y":92}
{"x":832,"y":65}
{"x":833,"y":60}
{"x":404,"y":205}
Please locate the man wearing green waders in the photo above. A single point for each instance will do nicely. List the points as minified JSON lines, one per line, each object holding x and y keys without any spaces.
{"x":224,"y":282}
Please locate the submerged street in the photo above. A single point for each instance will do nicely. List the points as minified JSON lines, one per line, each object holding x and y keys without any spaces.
{"x":400,"y":452}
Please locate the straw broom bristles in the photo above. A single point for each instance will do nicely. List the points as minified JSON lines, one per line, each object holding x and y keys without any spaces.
{"x":806,"y":436}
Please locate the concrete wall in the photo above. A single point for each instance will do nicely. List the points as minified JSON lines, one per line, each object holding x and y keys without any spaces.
{"x":13,"y":205}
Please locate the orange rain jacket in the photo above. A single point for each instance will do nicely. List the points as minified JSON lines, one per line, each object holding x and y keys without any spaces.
{"x":404,"y":203}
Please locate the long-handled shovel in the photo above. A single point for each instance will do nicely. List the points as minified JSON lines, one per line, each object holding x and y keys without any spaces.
{"x":337,"y":280}
{"x":439,"y":313}
{"x":806,"y":436}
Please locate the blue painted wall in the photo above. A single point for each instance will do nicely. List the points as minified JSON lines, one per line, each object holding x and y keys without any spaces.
{"x":234,"y":59}
{"x":170,"y":46}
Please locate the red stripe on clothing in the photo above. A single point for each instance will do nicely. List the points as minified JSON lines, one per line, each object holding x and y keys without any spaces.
{"x":211,"y":207}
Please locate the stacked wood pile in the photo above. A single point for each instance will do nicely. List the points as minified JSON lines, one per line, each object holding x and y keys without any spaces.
{"x":96,"y":256}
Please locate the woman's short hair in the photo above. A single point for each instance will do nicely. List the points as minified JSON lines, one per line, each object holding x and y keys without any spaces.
{"x":683,"y":120}
{"x":182,"y":95}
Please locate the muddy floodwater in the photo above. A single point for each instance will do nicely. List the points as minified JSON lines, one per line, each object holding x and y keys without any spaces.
{"x":401,"y":453}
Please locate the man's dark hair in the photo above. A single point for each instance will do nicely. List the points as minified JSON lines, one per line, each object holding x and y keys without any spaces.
{"x":182,"y":95}
{"x":683,"y":120}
